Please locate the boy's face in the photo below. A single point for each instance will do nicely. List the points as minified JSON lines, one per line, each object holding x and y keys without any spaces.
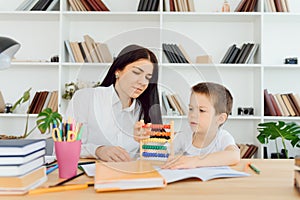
{"x":202,"y":116}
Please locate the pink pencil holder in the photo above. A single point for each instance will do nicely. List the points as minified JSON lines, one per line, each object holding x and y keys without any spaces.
{"x":67,"y":155}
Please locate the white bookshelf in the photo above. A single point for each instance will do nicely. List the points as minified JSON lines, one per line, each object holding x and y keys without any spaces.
{"x":205,"y":31}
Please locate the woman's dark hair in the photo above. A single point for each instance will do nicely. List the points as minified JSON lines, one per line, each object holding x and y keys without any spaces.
{"x":149,"y":99}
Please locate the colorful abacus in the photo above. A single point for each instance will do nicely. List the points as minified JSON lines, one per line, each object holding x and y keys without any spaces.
{"x":160,"y":144}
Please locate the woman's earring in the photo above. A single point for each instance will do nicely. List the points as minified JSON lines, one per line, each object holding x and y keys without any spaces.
{"x":117,"y":75}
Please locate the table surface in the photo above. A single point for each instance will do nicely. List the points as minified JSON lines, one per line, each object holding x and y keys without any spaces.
{"x":276,"y":181}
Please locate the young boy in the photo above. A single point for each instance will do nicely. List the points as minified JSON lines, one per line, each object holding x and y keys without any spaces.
{"x":209,"y":144}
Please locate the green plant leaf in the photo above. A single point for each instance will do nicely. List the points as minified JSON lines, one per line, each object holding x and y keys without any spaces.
{"x":46,"y":118}
{"x":23,"y":99}
{"x":273,"y":130}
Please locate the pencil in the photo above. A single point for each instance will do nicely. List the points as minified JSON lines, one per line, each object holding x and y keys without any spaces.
{"x":58,"y":188}
{"x":254,"y":168}
{"x":67,"y":180}
{"x":51,"y":169}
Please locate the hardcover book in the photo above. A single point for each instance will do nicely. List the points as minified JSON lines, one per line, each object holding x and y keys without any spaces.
{"x":18,"y":170}
{"x":21,"y":146}
{"x":21,"y":159}
{"x":126,"y":175}
{"x":22,"y":184}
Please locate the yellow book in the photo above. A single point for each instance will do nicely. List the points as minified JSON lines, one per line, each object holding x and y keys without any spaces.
{"x":112,"y":176}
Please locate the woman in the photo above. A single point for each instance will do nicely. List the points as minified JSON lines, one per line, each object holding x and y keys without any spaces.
{"x":127,"y":94}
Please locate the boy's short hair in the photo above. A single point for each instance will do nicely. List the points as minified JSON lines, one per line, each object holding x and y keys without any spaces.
{"x":219,"y":95}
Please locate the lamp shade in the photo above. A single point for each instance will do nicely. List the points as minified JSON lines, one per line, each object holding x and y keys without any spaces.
{"x":8,"y":48}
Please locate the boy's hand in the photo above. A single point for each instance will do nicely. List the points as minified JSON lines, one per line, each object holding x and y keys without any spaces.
{"x":141,"y":133}
{"x":183,"y":162}
{"x":112,"y":154}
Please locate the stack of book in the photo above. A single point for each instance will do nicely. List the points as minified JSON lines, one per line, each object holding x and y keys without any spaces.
{"x":42,"y":100}
{"x":38,"y":5}
{"x":285,"y":104}
{"x":88,"y":5}
{"x":243,"y":55}
{"x":179,"y":5}
{"x":88,"y":51}
{"x":175,"y":53}
{"x":172,"y":105}
{"x":276,"y":5}
{"x":247,"y":150}
{"x":246,"y":6}
{"x":21,"y":165}
{"x":148,"y":5}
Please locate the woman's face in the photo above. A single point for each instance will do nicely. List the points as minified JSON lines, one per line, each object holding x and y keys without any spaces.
{"x":134,"y":78}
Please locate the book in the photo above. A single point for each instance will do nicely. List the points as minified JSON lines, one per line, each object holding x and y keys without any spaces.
{"x":102,"y":6}
{"x":184,"y":53}
{"x":111,"y":176}
{"x":105,"y":53}
{"x":53,"y":6}
{"x":288,"y":104}
{"x":22,"y":181}
{"x":292,"y":102}
{"x":252,"y":53}
{"x":240,"y":6}
{"x":285,"y":111}
{"x":26,"y":5}
{"x":248,"y":49}
{"x":2,"y":103}
{"x":284,"y":8}
{"x":22,"y":184}
{"x":273,"y":7}
{"x":234,"y":55}
{"x":278,"y":5}
{"x":275,"y":105}
{"x":191,"y":6}
{"x":228,"y":53}
{"x":268,"y":106}
{"x":20,"y":146}
{"x":202,"y":173}
{"x":140,"y":6}
{"x":69,"y":50}
{"x":18,"y":170}
{"x":21,"y":159}
{"x":166,"y":104}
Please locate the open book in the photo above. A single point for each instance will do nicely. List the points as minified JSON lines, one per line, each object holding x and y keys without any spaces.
{"x":203,"y":173}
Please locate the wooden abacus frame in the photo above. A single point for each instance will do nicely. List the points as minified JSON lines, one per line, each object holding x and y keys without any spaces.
{"x":143,"y":143}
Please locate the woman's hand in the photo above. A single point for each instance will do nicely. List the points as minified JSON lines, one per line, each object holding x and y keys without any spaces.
{"x":140,"y":132}
{"x":112,"y":154}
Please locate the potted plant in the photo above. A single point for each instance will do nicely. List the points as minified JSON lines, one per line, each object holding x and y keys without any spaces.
{"x":45,"y":119}
{"x":279,"y":131}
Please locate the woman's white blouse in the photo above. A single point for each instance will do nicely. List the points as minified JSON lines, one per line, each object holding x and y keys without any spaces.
{"x":104,"y":121}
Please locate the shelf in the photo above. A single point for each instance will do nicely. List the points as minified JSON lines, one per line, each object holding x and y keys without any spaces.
{"x":211,"y":17}
{"x":29,"y":16}
{"x":112,"y":16}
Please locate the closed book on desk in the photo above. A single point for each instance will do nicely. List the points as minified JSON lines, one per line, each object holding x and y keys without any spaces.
{"x":22,"y":184}
{"x":126,"y":175}
{"x":20,"y":146}
{"x":18,"y":170}
{"x":21,"y":159}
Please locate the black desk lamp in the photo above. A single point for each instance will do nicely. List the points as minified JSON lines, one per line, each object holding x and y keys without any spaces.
{"x":8,"y":48}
